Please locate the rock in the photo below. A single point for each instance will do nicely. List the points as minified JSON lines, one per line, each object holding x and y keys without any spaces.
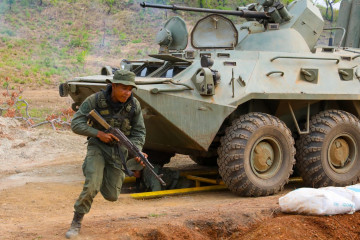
{"x":19,"y":145}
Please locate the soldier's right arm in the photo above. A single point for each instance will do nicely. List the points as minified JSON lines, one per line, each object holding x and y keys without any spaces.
{"x":79,"y":122}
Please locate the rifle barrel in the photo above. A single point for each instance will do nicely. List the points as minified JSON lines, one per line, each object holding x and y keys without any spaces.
{"x":240,"y":13}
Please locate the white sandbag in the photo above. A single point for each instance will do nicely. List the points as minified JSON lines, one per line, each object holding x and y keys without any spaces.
{"x":316,"y":201}
{"x":356,"y":195}
{"x":351,"y":193}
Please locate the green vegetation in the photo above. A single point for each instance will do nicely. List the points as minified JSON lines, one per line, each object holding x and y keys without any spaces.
{"x":45,"y":42}
{"x":37,"y":113}
{"x":136,"y":40}
{"x":327,"y":15}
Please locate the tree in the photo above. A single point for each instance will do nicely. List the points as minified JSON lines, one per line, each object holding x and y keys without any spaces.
{"x":201,"y":3}
{"x":329,"y":4}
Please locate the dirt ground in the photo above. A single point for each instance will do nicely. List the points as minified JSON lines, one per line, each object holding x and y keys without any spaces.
{"x":40,"y":179}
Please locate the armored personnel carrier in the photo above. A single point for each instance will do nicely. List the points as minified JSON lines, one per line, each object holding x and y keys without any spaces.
{"x":242,"y":95}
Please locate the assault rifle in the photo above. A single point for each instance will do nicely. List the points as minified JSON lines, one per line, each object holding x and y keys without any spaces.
{"x":123,"y":140}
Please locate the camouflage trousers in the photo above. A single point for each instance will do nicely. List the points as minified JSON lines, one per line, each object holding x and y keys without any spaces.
{"x":102,"y":171}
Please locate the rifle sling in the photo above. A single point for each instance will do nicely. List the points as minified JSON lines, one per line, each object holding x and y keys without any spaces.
{"x":123,"y":160}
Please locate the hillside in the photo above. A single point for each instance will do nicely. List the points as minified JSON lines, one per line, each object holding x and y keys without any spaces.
{"x":60,"y":39}
{"x":47,"y":42}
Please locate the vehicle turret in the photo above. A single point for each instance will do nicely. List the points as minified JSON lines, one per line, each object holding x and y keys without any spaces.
{"x":301,"y":22}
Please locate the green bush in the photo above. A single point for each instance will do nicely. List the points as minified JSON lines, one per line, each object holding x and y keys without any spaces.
{"x":4,"y":39}
{"x":35,"y":68}
{"x":122,"y":36}
{"x":80,"y":57}
{"x":81,"y":40}
{"x":27,"y":14}
{"x":137,"y":40}
{"x":54,"y":2}
{"x":26,"y":73}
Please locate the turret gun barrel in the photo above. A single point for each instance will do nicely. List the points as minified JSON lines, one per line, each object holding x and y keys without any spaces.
{"x":239,"y":13}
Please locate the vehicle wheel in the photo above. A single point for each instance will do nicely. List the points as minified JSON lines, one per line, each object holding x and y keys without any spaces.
{"x":157,"y":157}
{"x":204,"y":161}
{"x":63,"y":91}
{"x":329,"y":154}
{"x":256,"y":155}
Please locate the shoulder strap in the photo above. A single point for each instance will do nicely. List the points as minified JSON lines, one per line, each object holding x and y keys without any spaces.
{"x":133,"y":107}
{"x":100,"y":100}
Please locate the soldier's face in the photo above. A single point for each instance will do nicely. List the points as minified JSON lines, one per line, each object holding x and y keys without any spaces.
{"x":120,"y":93}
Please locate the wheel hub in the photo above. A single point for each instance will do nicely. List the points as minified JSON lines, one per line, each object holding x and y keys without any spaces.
{"x":266,"y":157}
{"x":342,"y":153}
{"x":263,"y":156}
{"x":339,"y":152}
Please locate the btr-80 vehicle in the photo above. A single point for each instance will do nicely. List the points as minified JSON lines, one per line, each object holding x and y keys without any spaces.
{"x":241,"y":96}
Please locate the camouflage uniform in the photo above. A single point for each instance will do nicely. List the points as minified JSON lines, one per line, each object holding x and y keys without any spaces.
{"x":102,"y":168}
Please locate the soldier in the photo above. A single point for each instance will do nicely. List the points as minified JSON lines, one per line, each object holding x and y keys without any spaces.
{"x":102,"y":167}
{"x":171,"y":177}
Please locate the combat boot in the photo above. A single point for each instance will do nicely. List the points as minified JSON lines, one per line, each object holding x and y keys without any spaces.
{"x":75,"y":225}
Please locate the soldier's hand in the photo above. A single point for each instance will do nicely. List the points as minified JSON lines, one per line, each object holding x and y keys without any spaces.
{"x":145,"y":155}
{"x":106,"y":137}
{"x":139,"y":160}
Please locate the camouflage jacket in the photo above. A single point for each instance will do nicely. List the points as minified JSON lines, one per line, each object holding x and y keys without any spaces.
{"x":134,"y":129}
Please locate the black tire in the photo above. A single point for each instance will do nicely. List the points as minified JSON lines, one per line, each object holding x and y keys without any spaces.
{"x":204,"y":161}
{"x":63,"y":91}
{"x":239,"y":165}
{"x":329,"y":154}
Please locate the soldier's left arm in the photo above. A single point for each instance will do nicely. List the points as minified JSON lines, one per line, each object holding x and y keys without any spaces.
{"x":138,"y":131}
